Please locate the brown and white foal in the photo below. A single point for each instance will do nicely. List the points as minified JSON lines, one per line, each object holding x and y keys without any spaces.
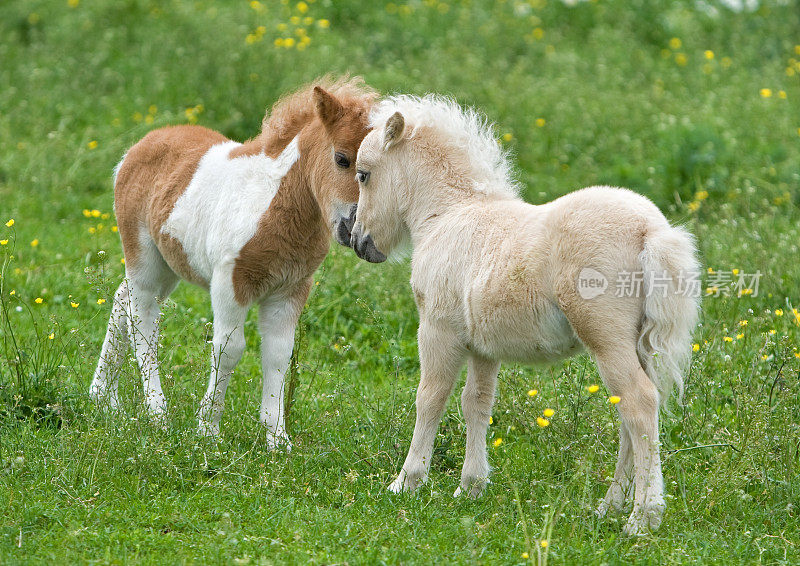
{"x":249,"y":222}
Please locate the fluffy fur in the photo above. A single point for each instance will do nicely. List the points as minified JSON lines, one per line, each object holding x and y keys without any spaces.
{"x":249,"y":222}
{"x":496,"y":279}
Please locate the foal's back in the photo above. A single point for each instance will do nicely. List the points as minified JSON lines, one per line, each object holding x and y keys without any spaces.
{"x":150,"y":179}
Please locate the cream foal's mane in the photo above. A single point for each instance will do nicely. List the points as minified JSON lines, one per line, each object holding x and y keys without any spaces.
{"x":460,"y":130}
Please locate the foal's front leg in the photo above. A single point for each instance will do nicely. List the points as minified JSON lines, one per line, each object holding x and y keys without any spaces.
{"x":476,"y":404}
{"x":441,"y":357}
{"x":277,"y":321}
{"x":227,"y":348}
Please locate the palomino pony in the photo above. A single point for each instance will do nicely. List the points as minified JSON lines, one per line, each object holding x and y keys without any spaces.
{"x":249,"y":222}
{"x":498,"y":279}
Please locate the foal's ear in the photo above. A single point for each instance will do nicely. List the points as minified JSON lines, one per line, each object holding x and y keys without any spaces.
{"x":328,"y":108}
{"x":393,"y":132}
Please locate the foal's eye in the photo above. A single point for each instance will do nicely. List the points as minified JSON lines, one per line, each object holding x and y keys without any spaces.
{"x":362,"y":176}
{"x":341,"y":160}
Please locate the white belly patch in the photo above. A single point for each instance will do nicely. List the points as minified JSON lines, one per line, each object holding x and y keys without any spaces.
{"x":218,"y":213}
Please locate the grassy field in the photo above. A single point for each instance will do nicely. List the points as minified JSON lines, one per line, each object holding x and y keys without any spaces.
{"x":690,"y":103}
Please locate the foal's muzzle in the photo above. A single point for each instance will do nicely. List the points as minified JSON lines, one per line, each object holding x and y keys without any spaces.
{"x":365,"y":247}
{"x":344,"y":227}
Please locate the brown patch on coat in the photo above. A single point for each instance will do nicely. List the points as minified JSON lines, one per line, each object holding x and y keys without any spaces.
{"x":293,"y":235}
{"x":152,"y":177}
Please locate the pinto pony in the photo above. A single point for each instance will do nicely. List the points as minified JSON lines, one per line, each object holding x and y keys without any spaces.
{"x":498,"y":279}
{"x":249,"y":222}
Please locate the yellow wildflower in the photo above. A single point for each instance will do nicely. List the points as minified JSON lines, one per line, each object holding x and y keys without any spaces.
{"x":544,"y":543}
{"x":498,"y":442}
{"x":675,"y":43}
{"x":742,"y":323}
{"x":540,"y":122}
{"x":51,"y":336}
{"x":740,"y":336}
{"x":96,"y":213}
{"x":533,"y":392}
{"x":278,"y":42}
{"x":12,"y":293}
{"x":594,"y":388}
{"x":525,"y":556}
{"x":508,"y":137}
{"x":92,"y":229}
{"x":256,"y":5}
{"x":323,"y":23}
{"x":92,"y":144}
{"x":288,"y":42}
{"x":38,"y":300}
{"x":114,"y":228}
{"x":773,"y":331}
{"x":122,"y":261}
{"x":765,"y":92}
{"x":797,"y":354}
{"x":735,"y":271}
{"x":294,"y":20}
{"x":542,"y":422}
{"x":302,"y":7}
{"x":308,"y":20}
{"x":727,"y":339}
{"x":695,"y":347}
{"x":3,"y":242}
{"x":778,"y":312}
{"x":491,"y":420}
{"x":548,"y":413}
{"x":100,"y":301}
{"x":74,"y":305}
{"x":681,"y":59}
{"x":782,"y":94}
{"x":614,"y":399}
{"x":764,"y":357}
{"x":708,"y":54}
{"x":701,"y":195}
{"x":10,"y":223}
{"x":34,"y":242}
{"x":693,"y":206}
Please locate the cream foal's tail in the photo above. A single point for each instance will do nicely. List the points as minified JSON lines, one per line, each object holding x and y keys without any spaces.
{"x":671,"y":304}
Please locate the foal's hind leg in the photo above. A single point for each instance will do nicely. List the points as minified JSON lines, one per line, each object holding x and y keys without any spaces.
{"x":104,"y":385}
{"x":619,"y":490}
{"x":476,"y":403}
{"x":149,"y":281}
{"x":638,"y":410}
{"x":609,"y":327}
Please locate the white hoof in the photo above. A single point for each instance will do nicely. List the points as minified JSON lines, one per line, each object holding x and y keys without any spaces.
{"x":472,"y":489}
{"x":279,"y":441}
{"x":104,"y":397}
{"x":407,"y":481}
{"x":207,"y":429}
{"x":645,"y":519}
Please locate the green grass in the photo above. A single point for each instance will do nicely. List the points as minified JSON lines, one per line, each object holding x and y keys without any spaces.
{"x":618,"y":107}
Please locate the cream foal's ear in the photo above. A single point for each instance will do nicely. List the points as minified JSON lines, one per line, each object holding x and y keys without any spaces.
{"x":393,"y":131}
{"x":328,"y":107}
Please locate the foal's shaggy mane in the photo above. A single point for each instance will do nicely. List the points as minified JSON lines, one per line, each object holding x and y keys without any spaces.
{"x":462,"y":131}
{"x":293,"y":111}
